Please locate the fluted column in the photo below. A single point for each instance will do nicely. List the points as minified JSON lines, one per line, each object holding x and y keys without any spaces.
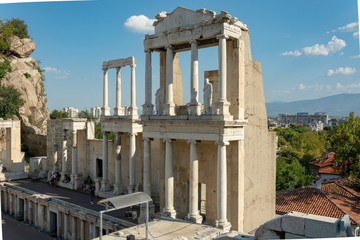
{"x":169,"y":106}
{"x":147,"y":166}
{"x":58,"y":224}
{"x":118,"y":110}
{"x":194,"y":183}
{"x":117,"y":185}
{"x":222,"y":105}
{"x":221,"y":220}
{"x":105,"y":108}
{"x":64,"y":156}
{"x":194,"y":105}
{"x":66,"y":226}
{"x":148,"y":107}
{"x":133,"y":108}
{"x":132,"y":163}
{"x":169,"y":180}
{"x":105,"y":182}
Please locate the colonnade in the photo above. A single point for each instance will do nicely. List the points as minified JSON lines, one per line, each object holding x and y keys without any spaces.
{"x":69,"y":223}
{"x":194,"y":107}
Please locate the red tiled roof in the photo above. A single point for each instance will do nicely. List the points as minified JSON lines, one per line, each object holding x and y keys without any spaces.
{"x":326,"y":165}
{"x":333,"y":200}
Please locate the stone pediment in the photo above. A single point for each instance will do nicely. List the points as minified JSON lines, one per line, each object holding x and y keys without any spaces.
{"x":181,"y":18}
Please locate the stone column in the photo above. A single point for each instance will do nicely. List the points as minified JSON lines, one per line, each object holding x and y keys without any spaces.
{"x":25,"y":210}
{"x":10,"y":204}
{"x":169,"y":181}
{"x":147,"y":166}
{"x":222,"y":105}
{"x":66,"y":226}
{"x":132,"y":163}
{"x":194,"y":105}
{"x":105,"y":182}
{"x":73,"y":228}
{"x":74,"y":173}
{"x":6,"y":207}
{"x":92,"y":230}
{"x":133,"y":108}
{"x":64,"y":156}
{"x":36,"y":215}
{"x":58,"y":224}
{"x":30,"y":213}
{"x":221,"y":221}
{"x":194,"y":182}
{"x":169,"y":106}
{"x":82,"y":229}
{"x":55,"y":154}
{"x":148,"y":107}
{"x":118,"y":110}
{"x":117,"y":186}
{"x":105,"y":108}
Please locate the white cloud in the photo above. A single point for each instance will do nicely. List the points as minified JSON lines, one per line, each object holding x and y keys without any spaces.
{"x":357,"y":56}
{"x":51,"y":69}
{"x":139,"y":24}
{"x":349,"y":27}
{"x":295,"y":53}
{"x":64,"y":75}
{"x":356,"y":34}
{"x":342,"y":71}
{"x":302,"y":86}
{"x":334,"y":45}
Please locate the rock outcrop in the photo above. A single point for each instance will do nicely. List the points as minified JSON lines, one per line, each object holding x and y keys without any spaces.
{"x":26,"y":77}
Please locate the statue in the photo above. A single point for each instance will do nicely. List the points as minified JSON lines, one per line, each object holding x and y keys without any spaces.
{"x":207,"y":92}
{"x":159,"y":99}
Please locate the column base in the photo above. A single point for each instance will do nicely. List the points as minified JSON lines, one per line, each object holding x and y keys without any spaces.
{"x":74,"y":181}
{"x":225,"y":226}
{"x":117,"y":189}
{"x":105,"y":187}
{"x":148,"y":109}
{"x":141,"y":218}
{"x":194,"y":109}
{"x":105,"y":111}
{"x":196,"y":218}
{"x":119,"y":111}
{"x":222,"y":108}
{"x":63,"y":176}
{"x":169,"y":109}
{"x":132,"y":111}
{"x":131,"y":189}
{"x":169,"y":213}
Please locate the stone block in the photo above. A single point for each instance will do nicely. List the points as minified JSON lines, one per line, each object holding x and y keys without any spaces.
{"x":293,"y":236}
{"x":263,"y":233}
{"x":294,"y":222}
{"x":319,"y":226}
{"x":274,"y":224}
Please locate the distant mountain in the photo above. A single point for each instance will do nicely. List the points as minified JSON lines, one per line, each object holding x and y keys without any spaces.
{"x":337,"y":105}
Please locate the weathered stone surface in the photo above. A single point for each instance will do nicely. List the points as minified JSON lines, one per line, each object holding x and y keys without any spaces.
{"x":294,"y":223}
{"x":293,"y":236}
{"x":274,"y":224}
{"x":264,"y":233}
{"x":21,"y":47}
{"x":42,"y":174}
{"x":321,"y":227}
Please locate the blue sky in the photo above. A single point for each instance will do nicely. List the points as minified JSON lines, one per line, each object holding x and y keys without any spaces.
{"x":308,"y":48}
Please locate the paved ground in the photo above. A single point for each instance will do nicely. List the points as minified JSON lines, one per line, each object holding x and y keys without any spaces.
{"x":15,"y":230}
{"x":81,"y":198}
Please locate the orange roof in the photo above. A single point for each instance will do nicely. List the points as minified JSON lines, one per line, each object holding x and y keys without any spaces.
{"x":326,"y":165}
{"x":334,"y":200}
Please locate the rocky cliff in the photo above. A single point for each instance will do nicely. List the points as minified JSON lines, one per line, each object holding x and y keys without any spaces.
{"x":27,"y":78}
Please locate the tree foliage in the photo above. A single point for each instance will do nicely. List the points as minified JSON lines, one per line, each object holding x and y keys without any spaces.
{"x":290,"y":174}
{"x":345,"y":142}
{"x":55,"y":114}
{"x":85,"y":114}
{"x":5,"y":67}
{"x":10,"y":101}
{"x":10,"y":28}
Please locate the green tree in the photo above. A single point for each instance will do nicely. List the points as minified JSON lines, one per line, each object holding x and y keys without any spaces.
{"x":10,"y":28}
{"x":99,"y":134}
{"x":85,"y":114}
{"x":5,"y":67}
{"x":55,"y":114}
{"x":19,"y":27}
{"x":10,"y":101}
{"x":290,"y":174}
{"x":345,"y":142}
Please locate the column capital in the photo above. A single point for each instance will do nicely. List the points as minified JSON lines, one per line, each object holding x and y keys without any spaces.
{"x":167,"y":140}
{"x":220,"y":36}
{"x":222,"y":143}
{"x":133,"y":134}
{"x":105,"y":70}
{"x":74,"y":131}
{"x":118,"y":69}
{"x":133,"y":65}
{"x":193,"y":41}
{"x":148,"y":50}
{"x":147,"y":139}
{"x":193,"y":141}
{"x":169,"y":46}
